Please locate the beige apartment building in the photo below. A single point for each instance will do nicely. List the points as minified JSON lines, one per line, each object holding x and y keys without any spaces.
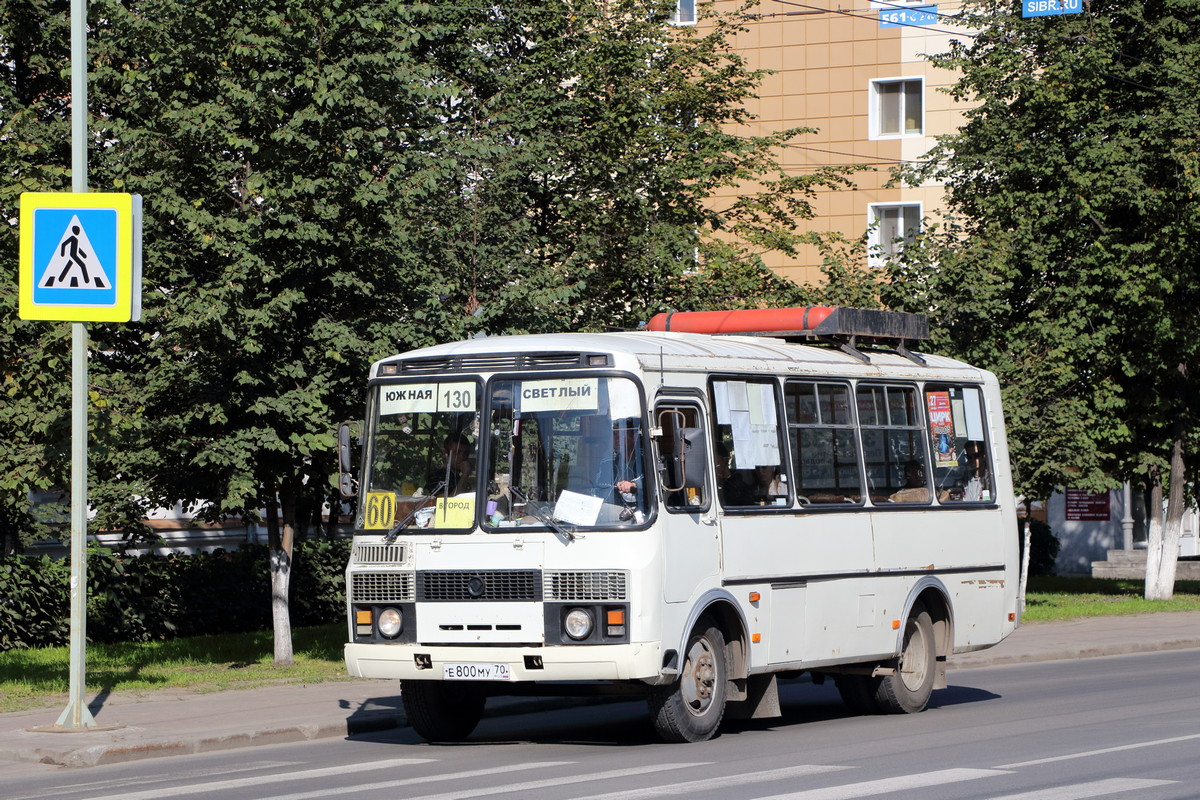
{"x":853,"y":70}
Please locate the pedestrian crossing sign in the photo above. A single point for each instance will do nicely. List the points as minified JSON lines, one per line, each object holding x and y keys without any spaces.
{"x":80,"y":256}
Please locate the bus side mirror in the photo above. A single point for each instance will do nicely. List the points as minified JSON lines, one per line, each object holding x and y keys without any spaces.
{"x":693,"y":454}
{"x":345,"y":478}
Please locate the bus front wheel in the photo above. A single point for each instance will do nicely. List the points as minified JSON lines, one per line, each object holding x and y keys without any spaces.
{"x":442,"y":712}
{"x":908,"y":688}
{"x":690,"y":709}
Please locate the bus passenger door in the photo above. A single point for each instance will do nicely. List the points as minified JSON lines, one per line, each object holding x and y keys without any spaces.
{"x":691,"y":544}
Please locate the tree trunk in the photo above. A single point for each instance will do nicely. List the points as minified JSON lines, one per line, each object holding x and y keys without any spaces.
{"x":281,"y":538}
{"x":1162,"y":554}
{"x":1162,"y":547}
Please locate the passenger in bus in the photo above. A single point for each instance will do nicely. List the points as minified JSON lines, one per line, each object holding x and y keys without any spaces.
{"x":768,"y":486}
{"x":730,"y":486}
{"x":915,"y":489}
{"x":979,"y":482}
{"x":973,"y":481}
{"x":456,"y":470}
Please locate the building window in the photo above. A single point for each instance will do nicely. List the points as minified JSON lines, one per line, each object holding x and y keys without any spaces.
{"x":897,"y":108}
{"x":891,"y":228}
{"x":685,"y":13}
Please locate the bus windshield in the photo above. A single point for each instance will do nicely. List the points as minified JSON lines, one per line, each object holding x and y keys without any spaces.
{"x":566,"y":450}
{"x":563,"y":453}
{"x":423,"y":448}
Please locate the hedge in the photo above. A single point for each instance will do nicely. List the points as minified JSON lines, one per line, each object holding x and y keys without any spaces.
{"x":147,"y":598}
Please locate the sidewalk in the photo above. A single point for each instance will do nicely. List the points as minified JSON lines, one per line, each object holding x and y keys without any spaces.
{"x":166,"y":723}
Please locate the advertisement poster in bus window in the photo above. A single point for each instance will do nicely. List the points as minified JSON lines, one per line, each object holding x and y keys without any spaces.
{"x":941,"y":427}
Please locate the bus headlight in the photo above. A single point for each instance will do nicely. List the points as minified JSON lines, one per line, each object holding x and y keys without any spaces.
{"x":578,"y":623}
{"x":391,"y":622}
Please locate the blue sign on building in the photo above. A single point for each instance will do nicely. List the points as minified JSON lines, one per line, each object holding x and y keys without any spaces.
{"x":912,"y":15}
{"x":1048,"y":8}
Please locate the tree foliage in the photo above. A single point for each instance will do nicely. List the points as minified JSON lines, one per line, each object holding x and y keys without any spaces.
{"x":1066,"y":264}
{"x":330,"y":181}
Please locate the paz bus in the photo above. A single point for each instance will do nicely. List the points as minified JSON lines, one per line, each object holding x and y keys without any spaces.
{"x":686,"y":513}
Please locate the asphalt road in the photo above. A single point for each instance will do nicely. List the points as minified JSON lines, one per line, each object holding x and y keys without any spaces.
{"x":1124,"y":727}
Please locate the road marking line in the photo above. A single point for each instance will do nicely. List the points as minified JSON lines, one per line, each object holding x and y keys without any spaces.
{"x":1090,"y":753}
{"x":1082,"y":791}
{"x":717,"y":783}
{"x":884,"y":785}
{"x":458,"y":794}
{"x":260,"y":780}
{"x":96,"y":786}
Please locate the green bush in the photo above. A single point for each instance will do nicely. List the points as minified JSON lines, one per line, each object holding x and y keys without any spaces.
{"x":149,"y":598}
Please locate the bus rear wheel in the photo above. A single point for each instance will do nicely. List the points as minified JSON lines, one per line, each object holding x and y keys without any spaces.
{"x":442,"y":712}
{"x":690,"y":710}
{"x":908,"y":689}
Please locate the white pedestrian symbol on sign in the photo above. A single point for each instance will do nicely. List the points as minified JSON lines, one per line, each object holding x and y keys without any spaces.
{"x":74,"y":264}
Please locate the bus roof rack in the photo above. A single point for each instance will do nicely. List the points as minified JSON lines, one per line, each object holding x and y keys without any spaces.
{"x":847,"y":328}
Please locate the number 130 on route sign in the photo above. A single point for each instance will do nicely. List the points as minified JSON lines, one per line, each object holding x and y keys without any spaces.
{"x":81,"y":256}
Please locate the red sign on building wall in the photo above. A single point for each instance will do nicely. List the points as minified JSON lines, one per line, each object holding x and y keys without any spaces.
{"x":1087,"y":506}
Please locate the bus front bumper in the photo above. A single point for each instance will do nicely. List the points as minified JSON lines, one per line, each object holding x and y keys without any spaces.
{"x":615,"y":662}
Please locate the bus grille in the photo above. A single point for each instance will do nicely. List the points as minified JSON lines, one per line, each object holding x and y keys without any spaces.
{"x":381,"y":587}
{"x":378,"y":554}
{"x":479,"y":585}
{"x":585,"y":586}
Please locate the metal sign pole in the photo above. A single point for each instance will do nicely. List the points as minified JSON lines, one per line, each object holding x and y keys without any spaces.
{"x":76,"y":714}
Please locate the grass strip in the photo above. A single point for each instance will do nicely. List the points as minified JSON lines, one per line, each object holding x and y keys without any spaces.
{"x":39,"y":677}
{"x":1051,"y":598}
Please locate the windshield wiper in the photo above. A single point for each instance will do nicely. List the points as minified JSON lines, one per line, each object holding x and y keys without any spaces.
{"x":542,"y":516}
{"x":391,"y":534}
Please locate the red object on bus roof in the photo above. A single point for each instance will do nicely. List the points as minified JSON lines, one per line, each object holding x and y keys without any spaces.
{"x":766,"y":320}
{"x":802,"y":322}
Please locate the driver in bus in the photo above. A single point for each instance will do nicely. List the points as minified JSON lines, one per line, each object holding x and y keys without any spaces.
{"x":620,"y":471}
{"x":455,"y":470}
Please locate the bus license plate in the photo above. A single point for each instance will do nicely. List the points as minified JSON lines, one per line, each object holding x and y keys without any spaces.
{"x":476,"y":672}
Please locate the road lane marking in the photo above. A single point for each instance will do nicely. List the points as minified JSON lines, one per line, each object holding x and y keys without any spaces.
{"x":723,"y":782}
{"x":96,"y":786}
{"x":1090,"y":753}
{"x":1082,"y":791}
{"x":458,"y":794}
{"x":262,"y":780}
{"x":884,"y":785}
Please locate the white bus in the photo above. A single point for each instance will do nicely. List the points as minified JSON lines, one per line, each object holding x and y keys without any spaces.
{"x":680,"y":515}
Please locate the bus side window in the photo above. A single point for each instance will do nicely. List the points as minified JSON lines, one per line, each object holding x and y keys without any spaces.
{"x":894,"y":444}
{"x":750,"y":470}
{"x":824,"y":447}
{"x":961,"y":460}
{"x":682,"y":468}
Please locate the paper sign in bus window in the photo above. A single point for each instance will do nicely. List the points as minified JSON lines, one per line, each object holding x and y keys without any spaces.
{"x":427,"y":398}
{"x":565,"y":394}
{"x":941,"y":427}
{"x":454,"y":512}
{"x":577,"y":509}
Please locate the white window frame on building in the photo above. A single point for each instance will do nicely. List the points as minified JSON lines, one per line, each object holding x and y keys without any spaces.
{"x":892,"y":115}
{"x":685,"y":12}
{"x":891,"y":227}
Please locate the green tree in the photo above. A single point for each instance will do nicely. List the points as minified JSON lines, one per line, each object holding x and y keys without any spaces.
{"x":1067,"y":264}
{"x":330,"y":182}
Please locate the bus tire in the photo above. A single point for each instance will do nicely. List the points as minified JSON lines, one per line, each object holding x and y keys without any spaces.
{"x":442,"y":712}
{"x":908,"y":688}
{"x":691,"y":708}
